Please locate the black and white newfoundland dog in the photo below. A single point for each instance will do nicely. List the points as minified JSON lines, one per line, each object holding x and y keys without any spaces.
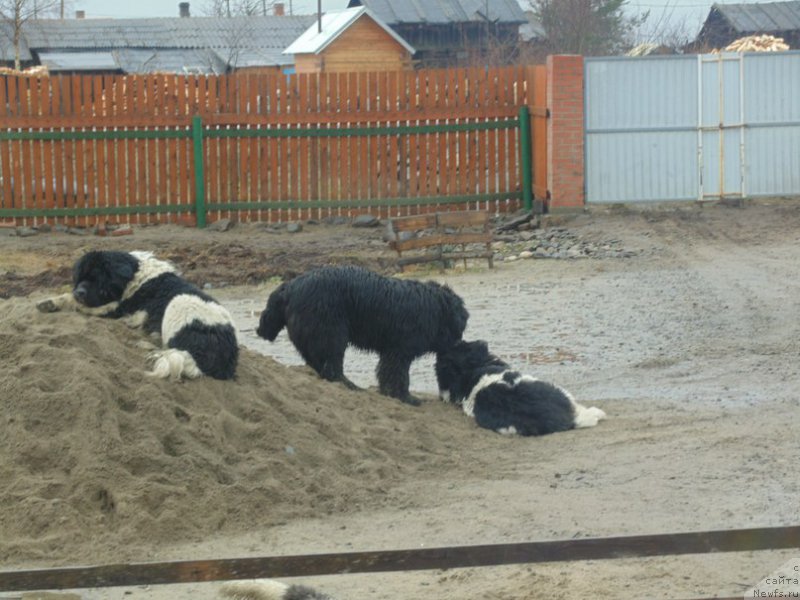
{"x":329,"y":308}
{"x":504,"y":400}
{"x":197,"y":333}
{"x":268,"y":589}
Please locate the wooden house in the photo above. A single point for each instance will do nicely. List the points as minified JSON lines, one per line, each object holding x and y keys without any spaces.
{"x":454,"y":32}
{"x":726,"y":23}
{"x":350,"y":40}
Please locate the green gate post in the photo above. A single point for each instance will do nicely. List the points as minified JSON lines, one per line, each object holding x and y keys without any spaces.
{"x":525,"y":158}
{"x":199,"y":175}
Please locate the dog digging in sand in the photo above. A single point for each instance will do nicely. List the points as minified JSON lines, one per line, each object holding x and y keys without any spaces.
{"x":504,"y":400}
{"x":197,"y":333}
{"x":328,"y":309}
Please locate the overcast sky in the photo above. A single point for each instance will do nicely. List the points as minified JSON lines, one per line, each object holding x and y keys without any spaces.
{"x":666,"y":12}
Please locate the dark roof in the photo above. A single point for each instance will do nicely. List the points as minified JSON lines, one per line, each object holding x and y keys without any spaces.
{"x":238,"y":41}
{"x":761,"y":17}
{"x":395,"y":12}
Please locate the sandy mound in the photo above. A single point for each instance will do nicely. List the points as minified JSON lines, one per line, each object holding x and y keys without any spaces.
{"x":95,"y":457}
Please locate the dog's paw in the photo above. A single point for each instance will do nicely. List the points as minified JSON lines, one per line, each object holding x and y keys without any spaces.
{"x":146,"y":345}
{"x":409,"y":399}
{"x":47,"y":306}
{"x":56,"y":303}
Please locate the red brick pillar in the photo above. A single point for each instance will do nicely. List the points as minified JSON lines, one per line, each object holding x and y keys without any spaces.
{"x":565,"y":155}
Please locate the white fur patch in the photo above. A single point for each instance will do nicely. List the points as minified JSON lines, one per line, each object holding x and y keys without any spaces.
{"x":174,"y":364}
{"x":510,"y":430}
{"x":444,"y":395}
{"x":185,"y":308}
{"x":149,"y":268}
{"x":266,"y":589}
{"x":469,"y":404}
{"x":587,"y":417}
{"x":136,"y":320}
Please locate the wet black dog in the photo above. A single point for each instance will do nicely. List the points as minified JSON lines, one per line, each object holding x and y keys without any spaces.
{"x":197,"y":333}
{"x":327,"y":309}
{"x":505,"y":400}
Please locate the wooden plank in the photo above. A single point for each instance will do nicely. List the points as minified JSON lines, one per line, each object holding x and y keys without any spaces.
{"x":444,"y":256}
{"x":211,"y":146}
{"x":131,"y":148}
{"x":352,"y":145}
{"x":45,"y":148}
{"x":337,"y":146}
{"x":59,"y":191}
{"x":173,"y":160}
{"x":463,"y":218}
{"x":67,"y":112}
{"x":6,"y":197}
{"x":274,"y":146}
{"x":413,"y":223}
{"x":113,"y":147}
{"x":140,"y":154}
{"x":43,"y":162}
{"x":484,"y":555}
{"x":253,"y":175}
{"x":163,"y":158}
{"x":296,"y":148}
{"x":152,"y":145}
{"x":438,"y":239}
{"x":101,"y":154}
{"x":28,"y":185}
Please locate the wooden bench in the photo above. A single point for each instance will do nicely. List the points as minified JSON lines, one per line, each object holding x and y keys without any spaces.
{"x":436,"y":233}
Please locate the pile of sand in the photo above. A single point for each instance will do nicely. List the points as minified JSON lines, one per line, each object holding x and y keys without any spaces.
{"x":97,"y":458}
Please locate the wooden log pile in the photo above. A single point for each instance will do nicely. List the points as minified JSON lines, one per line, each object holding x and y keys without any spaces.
{"x":757,"y":43}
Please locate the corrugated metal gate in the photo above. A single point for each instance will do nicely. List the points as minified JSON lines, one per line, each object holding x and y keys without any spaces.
{"x":692,"y":127}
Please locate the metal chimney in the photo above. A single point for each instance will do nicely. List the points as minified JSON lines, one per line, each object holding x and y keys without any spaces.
{"x":183,"y":9}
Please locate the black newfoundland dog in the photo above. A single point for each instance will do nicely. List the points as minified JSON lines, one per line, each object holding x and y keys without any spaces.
{"x":197,"y":333}
{"x":505,"y":400}
{"x":327,"y":309}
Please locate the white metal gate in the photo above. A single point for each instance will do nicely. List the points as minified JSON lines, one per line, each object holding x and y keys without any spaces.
{"x":692,"y":127}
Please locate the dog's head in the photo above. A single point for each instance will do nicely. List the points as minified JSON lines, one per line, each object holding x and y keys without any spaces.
{"x":454,"y":316}
{"x":459,"y":367}
{"x":100,"y":277}
{"x":273,"y":317}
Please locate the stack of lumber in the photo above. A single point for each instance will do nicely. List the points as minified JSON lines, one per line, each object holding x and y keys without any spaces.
{"x":757,"y":43}
{"x":35,"y":71}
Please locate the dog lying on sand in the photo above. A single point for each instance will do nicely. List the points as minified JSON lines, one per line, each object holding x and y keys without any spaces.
{"x":504,"y":400}
{"x":198,"y":335}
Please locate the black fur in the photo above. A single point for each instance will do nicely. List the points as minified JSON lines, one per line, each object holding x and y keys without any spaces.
{"x":512,"y":403}
{"x":327,"y":309}
{"x":103,"y":277}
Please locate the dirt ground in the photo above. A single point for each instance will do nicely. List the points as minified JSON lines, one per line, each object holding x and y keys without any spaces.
{"x":689,"y":343}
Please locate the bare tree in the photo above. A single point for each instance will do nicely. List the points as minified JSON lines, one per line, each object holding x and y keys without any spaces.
{"x":237,"y":8}
{"x":16,"y":13}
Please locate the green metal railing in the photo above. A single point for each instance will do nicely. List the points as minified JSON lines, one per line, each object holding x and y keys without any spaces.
{"x":197,"y":133}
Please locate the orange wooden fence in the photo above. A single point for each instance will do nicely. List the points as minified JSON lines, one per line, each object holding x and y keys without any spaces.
{"x":82,"y":149}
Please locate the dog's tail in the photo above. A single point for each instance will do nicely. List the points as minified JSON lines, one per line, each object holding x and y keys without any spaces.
{"x":267,"y":589}
{"x":173,"y":364}
{"x":273,"y":319}
{"x":587,"y":417}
